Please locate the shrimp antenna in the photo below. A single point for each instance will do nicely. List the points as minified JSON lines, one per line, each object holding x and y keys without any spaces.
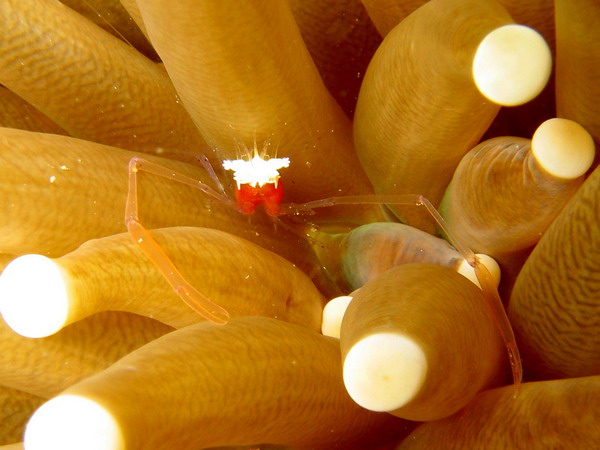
{"x":255,"y":146}
{"x":110,"y":25}
{"x":241,"y":149}
{"x":276,"y":146}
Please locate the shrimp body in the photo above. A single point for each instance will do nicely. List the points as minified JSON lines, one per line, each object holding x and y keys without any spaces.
{"x":257,"y":182}
{"x":269,"y":195}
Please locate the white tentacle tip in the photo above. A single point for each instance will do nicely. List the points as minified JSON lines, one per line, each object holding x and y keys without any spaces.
{"x":70,"y":422}
{"x":563,"y":148}
{"x":333,"y":313}
{"x":466,"y":270}
{"x":384,"y":371}
{"x":512,"y":65}
{"x":34,"y":296}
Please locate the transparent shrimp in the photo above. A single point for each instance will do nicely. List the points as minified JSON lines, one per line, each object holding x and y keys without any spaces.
{"x":270,"y":195}
{"x":258,"y":182}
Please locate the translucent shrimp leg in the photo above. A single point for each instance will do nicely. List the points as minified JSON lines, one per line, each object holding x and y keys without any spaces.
{"x":211,"y":171}
{"x":152,"y":249}
{"x":483,"y":275}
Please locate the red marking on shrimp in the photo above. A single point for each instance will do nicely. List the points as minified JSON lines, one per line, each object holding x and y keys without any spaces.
{"x":269,"y":196}
{"x":257,"y":182}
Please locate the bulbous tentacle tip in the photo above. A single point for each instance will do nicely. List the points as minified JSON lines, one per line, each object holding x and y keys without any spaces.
{"x":35,"y":296}
{"x":512,"y":65}
{"x":384,"y":371}
{"x":468,"y":270}
{"x":563,"y":148}
{"x":73,"y":422}
{"x":333,"y":313}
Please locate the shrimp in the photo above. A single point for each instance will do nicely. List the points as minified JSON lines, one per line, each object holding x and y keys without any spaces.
{"x":258,"y":182}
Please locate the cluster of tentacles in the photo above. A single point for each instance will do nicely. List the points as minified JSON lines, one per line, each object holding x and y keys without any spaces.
{"x":370,"y":100}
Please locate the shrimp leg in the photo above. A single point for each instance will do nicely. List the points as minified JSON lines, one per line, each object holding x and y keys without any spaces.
{"x":484,"y":277}
{"x":152,"y":249}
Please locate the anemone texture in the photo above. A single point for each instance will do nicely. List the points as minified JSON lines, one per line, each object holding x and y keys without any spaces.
{"x":375,"y":103}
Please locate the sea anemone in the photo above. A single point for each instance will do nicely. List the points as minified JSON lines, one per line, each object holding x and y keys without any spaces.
{"x":374,"y":102}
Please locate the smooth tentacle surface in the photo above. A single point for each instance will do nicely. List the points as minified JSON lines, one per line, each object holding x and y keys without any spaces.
{"x":538,"y":14}
{"x":357,"y":257}
{"x":464,"y":53}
